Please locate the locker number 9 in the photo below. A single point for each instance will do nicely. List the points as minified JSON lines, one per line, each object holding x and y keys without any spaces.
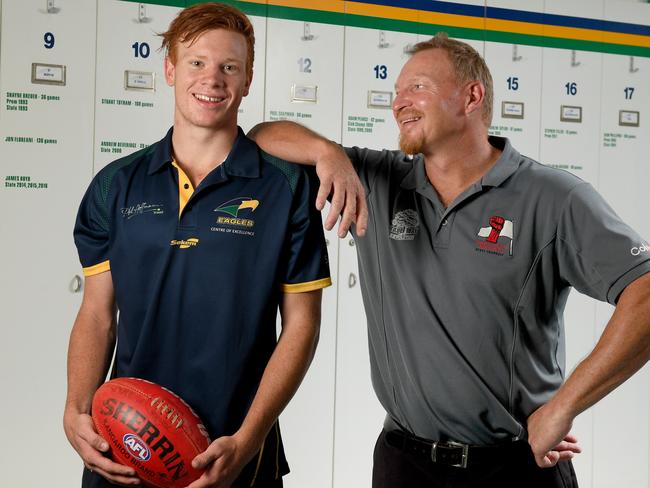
{"x":48,"y":38}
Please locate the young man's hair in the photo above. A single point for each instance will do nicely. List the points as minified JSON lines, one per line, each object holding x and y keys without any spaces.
{"x":193,"y":21}
{"x":468,"y":65}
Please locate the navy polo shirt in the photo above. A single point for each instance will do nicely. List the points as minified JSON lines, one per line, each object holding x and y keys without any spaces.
{"x":198,"y":272}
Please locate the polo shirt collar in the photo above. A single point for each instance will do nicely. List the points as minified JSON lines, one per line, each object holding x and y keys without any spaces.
{"x":162,"y":153}
{"x":243,"y":159}
{"x":505,"y":166}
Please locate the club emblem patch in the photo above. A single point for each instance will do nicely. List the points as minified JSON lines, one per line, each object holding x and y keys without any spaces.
{"x":405,"y":225}
{"x":497,"y":237}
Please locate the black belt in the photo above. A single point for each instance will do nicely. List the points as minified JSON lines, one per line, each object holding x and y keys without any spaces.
{"x":450,"y":453}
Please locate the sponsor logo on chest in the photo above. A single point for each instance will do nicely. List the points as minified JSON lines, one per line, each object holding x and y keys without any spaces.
{"x":405,"y":225}
{"x":235,"y":216}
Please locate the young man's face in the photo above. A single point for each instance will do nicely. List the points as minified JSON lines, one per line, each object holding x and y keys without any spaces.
{"x":209,"y":79}
{"x":429,"y":105}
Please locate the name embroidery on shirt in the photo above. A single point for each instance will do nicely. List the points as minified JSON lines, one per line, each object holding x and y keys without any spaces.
{"x":142,"y":208}
{"x":497,"y":237}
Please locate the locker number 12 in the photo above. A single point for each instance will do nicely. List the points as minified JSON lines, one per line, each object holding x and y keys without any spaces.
{"x":304,"y":65}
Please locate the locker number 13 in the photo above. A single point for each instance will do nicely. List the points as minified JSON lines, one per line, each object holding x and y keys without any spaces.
{"x":381,"y":71}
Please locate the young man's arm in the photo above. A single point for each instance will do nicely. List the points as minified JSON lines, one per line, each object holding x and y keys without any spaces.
{"x":89,"y":354}
{"x":226,"y":456}
{"x":623,"y":349}
{"x":294,"y":142}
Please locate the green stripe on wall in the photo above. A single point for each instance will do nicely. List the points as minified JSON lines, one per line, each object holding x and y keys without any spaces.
{"x":336,"y":18}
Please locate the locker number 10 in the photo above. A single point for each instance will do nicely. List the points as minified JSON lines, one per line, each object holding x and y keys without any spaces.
{"x":141,"y":49}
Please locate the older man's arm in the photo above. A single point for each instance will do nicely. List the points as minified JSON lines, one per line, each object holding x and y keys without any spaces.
{"x":622,"y":350}
{"x":338,"y":178}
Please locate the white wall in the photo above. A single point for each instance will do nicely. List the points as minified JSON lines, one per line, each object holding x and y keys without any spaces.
{"x":331,"y":425}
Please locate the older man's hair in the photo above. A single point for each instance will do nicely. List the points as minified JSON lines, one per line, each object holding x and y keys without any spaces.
{"x":467,"y":63}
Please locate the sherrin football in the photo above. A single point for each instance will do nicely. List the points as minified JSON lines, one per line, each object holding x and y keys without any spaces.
{"x":150,"y":429}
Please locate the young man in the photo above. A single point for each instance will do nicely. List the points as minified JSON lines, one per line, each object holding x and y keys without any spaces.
{"x":468,"y":258}
{"x":197,"y":240}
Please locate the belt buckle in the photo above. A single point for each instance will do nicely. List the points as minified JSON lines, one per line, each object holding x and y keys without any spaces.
{"x":451,"y":444}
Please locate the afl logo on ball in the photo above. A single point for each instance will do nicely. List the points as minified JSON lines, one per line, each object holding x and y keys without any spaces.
{"x":136,"y":447}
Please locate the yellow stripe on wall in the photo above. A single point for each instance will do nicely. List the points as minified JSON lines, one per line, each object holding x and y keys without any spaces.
{"x":324,"y":5}
{"x":452,"y":20}
{"x":391,"y":13}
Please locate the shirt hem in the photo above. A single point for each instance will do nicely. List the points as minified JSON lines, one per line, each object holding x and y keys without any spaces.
{"x":308,"y":286}
{"x":97,"y":269}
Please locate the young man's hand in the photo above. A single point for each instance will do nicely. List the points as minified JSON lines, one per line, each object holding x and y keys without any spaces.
{"x":92,"y":448}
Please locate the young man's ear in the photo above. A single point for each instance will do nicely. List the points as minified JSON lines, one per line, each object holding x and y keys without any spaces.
{"x":247,"y":87}
{"x":170,"y":71}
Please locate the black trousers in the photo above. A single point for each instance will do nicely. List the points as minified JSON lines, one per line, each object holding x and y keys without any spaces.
{"x":395,"y":468}
{"x":93,"y":480}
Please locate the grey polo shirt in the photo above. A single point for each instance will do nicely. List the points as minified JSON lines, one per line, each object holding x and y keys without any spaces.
{"x":465,"y":304}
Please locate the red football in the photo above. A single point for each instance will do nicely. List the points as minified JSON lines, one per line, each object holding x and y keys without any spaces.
{"x":150,"y":429}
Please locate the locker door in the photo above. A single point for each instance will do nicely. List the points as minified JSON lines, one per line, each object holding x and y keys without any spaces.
{"x":251,"y":110}
{"x":622,"y":420}
{"x":304,"y":72}
{"x":373,"y":60}
{"x":134,"y":107}
{"x":46,"y":121}
{"x":517,"y":77}
{"x":569,"y":139}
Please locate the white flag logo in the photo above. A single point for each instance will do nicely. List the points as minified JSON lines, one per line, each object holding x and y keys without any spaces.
{"x":507,"y":230}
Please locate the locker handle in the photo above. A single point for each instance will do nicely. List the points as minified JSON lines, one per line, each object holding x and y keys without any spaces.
{"x":352,"y":280}
{"x":77,"y":284}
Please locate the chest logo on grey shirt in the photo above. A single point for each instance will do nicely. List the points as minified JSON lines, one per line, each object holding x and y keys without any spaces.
{"x":498,"y":236}
{"x":405,"y":225}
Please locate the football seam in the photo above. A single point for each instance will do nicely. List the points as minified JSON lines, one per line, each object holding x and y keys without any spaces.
{"x":147,"y":396}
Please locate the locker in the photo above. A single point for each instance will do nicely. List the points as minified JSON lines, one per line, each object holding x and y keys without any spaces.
{"x":46,"y":80}
{"x":373,"y":60}
{"x":134,"y":107}
{"x":622,"y":420}
{"x":251,"y":110}
{"x":517,"y":77}
{"x":304,"y":72}
{"x":569,"y":134}
{"x":304,"y":75}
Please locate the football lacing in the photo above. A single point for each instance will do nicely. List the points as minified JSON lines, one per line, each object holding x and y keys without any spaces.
{"x":167,"y":411}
